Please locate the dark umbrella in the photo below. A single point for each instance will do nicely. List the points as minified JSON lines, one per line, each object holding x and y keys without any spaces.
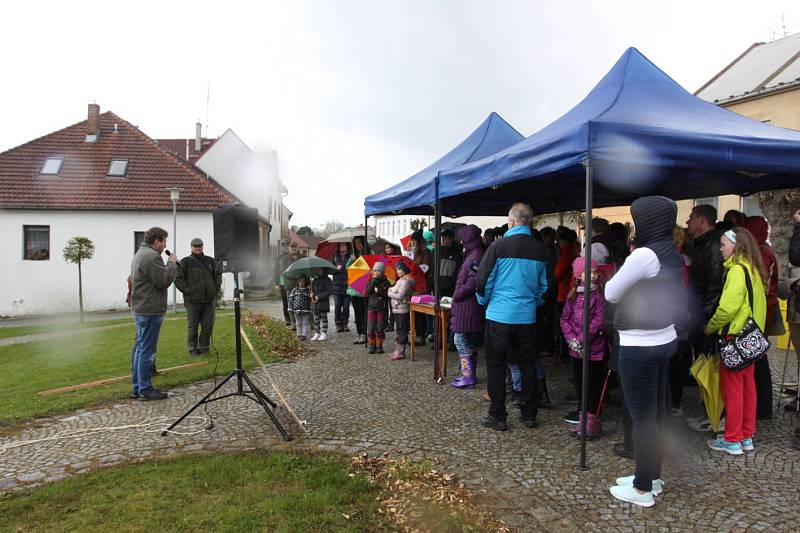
{"x":308,"y":266}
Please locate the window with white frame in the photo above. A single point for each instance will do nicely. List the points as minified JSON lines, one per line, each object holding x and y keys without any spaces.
{"x":36,"y":243}
{"x":750,"y":207}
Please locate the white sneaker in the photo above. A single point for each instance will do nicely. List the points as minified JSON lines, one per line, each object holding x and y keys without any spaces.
{"x":315,"y":337}
{"x":658,"y":485}
{"x":323,"y":336}
{"x":627,"y":493}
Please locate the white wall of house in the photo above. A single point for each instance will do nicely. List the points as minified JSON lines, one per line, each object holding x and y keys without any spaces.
{"x":252,"y":177}
{"x":51,"y":286}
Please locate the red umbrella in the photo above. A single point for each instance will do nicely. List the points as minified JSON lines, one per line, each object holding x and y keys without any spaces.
{"x":415,"y":272}
{"x":327,"y":250}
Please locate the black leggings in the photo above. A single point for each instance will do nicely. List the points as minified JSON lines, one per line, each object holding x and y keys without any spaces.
{"x":596,"y":375}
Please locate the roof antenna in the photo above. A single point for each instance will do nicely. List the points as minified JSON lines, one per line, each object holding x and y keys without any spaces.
{"x":208,"y":104}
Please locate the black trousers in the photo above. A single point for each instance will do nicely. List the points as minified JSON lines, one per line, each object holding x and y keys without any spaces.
{"x":285,"y":300}
{"x":360,"y":312}
{"x":401,"y":327}
{"x":679,"y":371}
{"x":201,"y":315}
{"x":515,"y":344}
{"x":763,"y":377}
{"x":596,"y":378}
{"x":644,"y":370}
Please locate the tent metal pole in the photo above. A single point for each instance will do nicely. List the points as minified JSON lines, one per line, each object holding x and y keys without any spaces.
{"x":437,"y":326}
{"x":587,"y":273}
{"x":364,"y":300}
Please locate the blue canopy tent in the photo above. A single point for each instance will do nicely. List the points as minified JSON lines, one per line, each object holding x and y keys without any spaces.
{"x":636,"y":133}
{"x":642,"y":134}
{"x":417,"y":194}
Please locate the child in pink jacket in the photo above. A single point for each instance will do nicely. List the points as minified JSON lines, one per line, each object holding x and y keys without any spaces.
{"x":572,"y":327}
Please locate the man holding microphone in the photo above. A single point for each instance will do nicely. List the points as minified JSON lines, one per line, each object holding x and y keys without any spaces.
{"x":151,"y":279}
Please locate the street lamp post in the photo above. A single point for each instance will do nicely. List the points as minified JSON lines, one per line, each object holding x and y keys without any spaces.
{"x":174,"y":196}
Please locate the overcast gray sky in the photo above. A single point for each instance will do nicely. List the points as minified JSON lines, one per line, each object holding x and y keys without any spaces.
{"x":354,"y":95}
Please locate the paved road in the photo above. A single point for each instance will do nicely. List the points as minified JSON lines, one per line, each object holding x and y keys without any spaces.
{"x":354,"y":401}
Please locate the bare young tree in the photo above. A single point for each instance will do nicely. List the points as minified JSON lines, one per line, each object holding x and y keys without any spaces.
{"x":78,"y":250}
{"x":331,"y":227}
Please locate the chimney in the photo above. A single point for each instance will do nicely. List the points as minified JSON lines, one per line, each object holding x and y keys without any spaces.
{"x":198,"y":137}
{"x":93,"y":123}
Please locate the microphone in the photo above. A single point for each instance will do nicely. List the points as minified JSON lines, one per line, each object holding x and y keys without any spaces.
{"x":168,"y":253}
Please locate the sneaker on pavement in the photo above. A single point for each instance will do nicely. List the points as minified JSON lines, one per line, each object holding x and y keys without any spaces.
{"x":315,"y":337}
{"x":492,"y":423}
{"x":658,"y":485}
{"x":747,"y":445}
{"x":529,"y":422}
{"x":721,"y":445}
{"x":151,"y":394}
{"x":627,"y":493}
{"x":323,"y":336}
{"x":572,"y":417}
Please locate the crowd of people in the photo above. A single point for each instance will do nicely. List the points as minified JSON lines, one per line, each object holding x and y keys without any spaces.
{"x":657,"y":300}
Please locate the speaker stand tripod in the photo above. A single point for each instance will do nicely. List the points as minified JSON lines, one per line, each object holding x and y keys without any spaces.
{"x":251,"y":392}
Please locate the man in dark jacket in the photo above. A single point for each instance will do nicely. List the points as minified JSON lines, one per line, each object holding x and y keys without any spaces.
{"x":290,"y":255}
{"x":200,"y":280}
{"x":450,"y":258}
{"x":705,"y":274}
{"x":150,"y":281}
{"x":511,"y":283}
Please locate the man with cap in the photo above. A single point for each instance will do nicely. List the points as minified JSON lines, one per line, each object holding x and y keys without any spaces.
{"x":281,"y":264}
{"x":200,"y":280}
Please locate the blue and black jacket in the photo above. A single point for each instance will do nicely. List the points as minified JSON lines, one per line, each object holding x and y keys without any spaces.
{"x":512,"y":277}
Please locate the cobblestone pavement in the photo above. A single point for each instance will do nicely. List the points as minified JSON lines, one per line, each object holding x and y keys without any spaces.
{"x":356,"y":402}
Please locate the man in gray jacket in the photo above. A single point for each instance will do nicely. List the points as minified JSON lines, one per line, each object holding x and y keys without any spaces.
{"x":151,"y":278}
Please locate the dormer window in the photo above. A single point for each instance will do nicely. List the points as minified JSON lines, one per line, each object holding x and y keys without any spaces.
{"x":52,"y":166}
{"x":118,"y":168}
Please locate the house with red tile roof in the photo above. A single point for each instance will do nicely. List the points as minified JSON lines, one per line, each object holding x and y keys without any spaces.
{"x":250,"y":175}
{"x":104,"y":179}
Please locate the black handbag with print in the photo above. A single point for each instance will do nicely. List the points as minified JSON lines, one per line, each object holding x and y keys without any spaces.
{"x":739,"y":351}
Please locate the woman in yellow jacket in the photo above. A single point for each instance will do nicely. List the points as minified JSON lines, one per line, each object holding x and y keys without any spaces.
{"x":741,"y":254}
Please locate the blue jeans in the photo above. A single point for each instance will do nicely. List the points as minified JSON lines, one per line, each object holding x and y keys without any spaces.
{"x":148,"y":328}
{"x":341,"y":309}
{"x":644,"y":371}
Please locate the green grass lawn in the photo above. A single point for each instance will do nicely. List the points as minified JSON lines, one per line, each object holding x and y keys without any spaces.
{"x":257,"y":491}
{"x":26,"y":369}
{"x":17,"y":331}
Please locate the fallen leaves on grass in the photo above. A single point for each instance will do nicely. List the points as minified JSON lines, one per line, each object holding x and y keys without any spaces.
{"x":276,"y":338}
{"x":419,"y":498}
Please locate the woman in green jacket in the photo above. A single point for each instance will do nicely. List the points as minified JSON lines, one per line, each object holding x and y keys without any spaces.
{"x":742,"y":260}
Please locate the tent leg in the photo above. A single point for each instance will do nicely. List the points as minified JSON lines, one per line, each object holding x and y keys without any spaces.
{"x":586,"y":301}
{"x":364,"y":315}
{"x":438,"y":375}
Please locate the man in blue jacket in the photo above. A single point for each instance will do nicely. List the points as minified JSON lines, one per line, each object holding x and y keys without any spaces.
{"x":511,"y":283}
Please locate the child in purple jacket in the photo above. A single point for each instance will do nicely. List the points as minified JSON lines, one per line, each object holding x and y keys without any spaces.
{"x":466,"y":314}
{"x":572,"y":327}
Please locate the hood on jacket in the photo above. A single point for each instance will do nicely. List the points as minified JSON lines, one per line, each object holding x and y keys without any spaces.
{"x":654,"y":219}
{"x":470,"y":236}
{"x":759,"y":227}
